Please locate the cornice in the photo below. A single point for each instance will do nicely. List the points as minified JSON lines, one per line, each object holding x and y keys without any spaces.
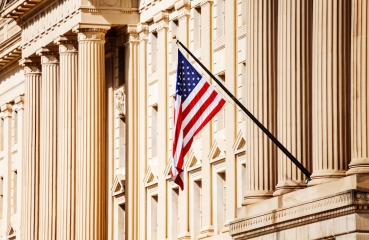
{"x":17,"y":9}
{"x":340,"y":204}
{"x":10,"y":50}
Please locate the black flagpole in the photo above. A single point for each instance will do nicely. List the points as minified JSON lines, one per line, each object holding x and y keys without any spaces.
{"x":261,"y":126}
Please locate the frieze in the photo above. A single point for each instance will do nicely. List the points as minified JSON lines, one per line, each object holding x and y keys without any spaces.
{"x":318,"y":210}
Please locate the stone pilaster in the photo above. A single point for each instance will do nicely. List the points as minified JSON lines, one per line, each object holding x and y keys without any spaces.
{"x":142,"y":30}
{"x":132,"y":181}
{"x":331,"y":95}
{"x":48,"y":143}
{"x":183,"y":35}
{"x":161,"y":20}
{"x":207,"y":227}
{"x":110,"y":58}
{"x":67,"y":121}
{"x":91,"y":136}
{"x":294,"y":91}
{"x":230,"y":109}
{"x":261,"y":92}
{"x":359,"y":88}
{"x":31,"y":153}
{"x":6,"y":118}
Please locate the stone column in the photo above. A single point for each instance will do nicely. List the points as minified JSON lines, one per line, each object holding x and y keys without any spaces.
{"x":294,"y":91}
{"x":31,"y":153}
{"x":48,"y":141}
{"x":261,"y":92}
{"x":67,"y":121}
{"x":331,"y":95}
{"x":91,"y":136}
{"x":161,"y":20}
{"x":359,"y":88}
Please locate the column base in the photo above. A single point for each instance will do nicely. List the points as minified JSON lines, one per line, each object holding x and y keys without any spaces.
{"x":205,"y":232}
{"x":288,"y":186}
{"x":184,"y":236}
{"x":358,"y":166}
{"x":326,"y":176}
{"x":256,"y":196}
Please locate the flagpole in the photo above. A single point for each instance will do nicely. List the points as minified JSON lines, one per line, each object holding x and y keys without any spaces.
{"x":261,"y":126}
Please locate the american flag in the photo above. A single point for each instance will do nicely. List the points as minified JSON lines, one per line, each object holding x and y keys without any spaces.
{"x":196,"y":103}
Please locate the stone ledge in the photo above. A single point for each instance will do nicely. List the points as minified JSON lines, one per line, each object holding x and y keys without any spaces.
{"x":290,"y":210}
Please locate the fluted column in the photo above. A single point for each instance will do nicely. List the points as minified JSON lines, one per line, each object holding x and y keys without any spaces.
{"x":261,"y":92}
{"x":48,"y":141}
{"x":331,"y":95}
{"x":91,"y":136}
{"x":67,"y":121}
{"x":31,"y":153}
{"x":294,"y":91}
{"x":359,"y":88}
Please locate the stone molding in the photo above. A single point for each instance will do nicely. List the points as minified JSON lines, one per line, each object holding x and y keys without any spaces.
{"x":241,"y":33}
{"x":31,"y":65}
{"x":204,"y":3}
{"x":120,"y":97}
{"x":219,"y":44}
{"x":91,"y":34}
{"x":6,"y":110}
{"x":161,"y":19}
{"x":46,"y":20}
{"x":118,"y":189}
{"x":48,"y":56}
{"x":340,"y":204}
{"x":67,"y":44}
{"x":143,"y":31}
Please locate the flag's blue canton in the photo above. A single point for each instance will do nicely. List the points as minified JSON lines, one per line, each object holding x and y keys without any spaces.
{"x":187,"y":77}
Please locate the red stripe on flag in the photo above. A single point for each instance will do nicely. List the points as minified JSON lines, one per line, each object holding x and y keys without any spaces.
{"x":196,"y":98}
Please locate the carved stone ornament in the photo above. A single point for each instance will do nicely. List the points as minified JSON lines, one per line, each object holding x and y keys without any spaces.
{"x":91,"y":34}
{"x":120,"y":96}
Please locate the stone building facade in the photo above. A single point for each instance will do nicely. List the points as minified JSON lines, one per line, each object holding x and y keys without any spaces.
{"x":86,"y":118}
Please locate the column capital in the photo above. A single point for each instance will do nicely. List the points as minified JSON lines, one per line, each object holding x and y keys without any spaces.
{"x":161,"y":19}
{"x":49,"y":55}
{"x":67,"y":44}
{"x":205,"y":3}
{"x":183,"y":12}
{"x":18,"y":103}
{"x":6,"y":110}
{"x":91,"y":34}
{"x":31,"y":65}
{"x":143,"y":30}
